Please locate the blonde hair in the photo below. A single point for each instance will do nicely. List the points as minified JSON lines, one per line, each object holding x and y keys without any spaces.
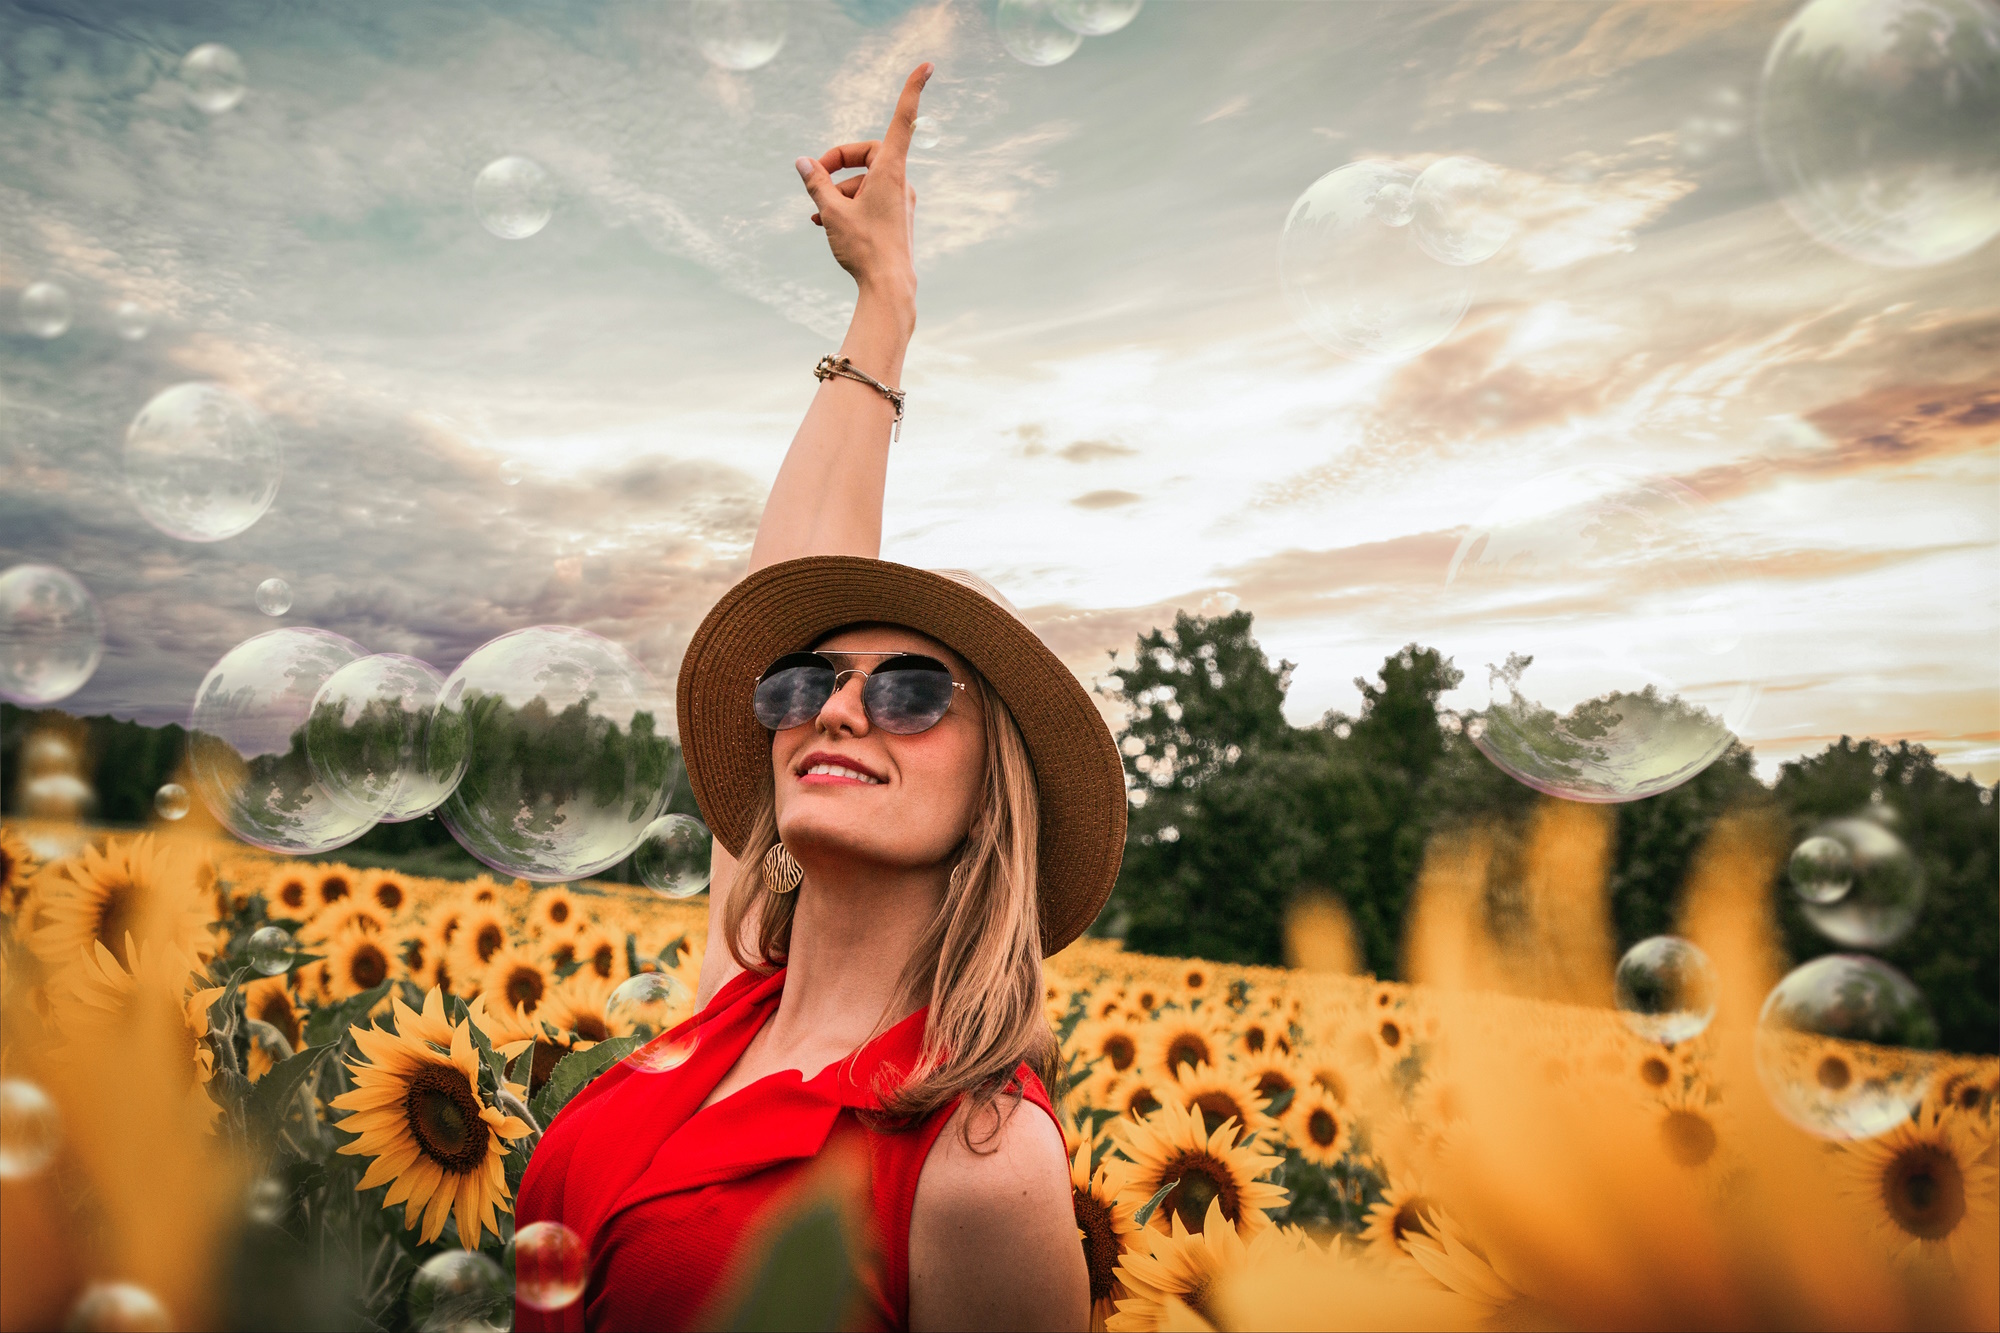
{"x":978,"y":965}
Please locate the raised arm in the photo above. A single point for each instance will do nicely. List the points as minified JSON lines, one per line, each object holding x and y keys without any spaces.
{"x":827,"y":499}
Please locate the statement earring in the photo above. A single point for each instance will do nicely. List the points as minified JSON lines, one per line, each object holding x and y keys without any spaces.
{"x":781,"y":873}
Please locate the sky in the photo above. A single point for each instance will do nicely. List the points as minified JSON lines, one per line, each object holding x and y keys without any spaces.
{"x":1113,"y":413}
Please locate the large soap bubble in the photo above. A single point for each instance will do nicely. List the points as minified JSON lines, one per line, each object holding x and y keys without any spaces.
{"x":1821,"y":869}
{"x":45,"y":310}
{"x":51,"y":635}
{"x":201,"y":463}
{"x":247,"y":742}
{"x":132,"y":320}
{"x":551,"y":1266}
{"x":739,"y":35}
{"x":214,"y":77}
{"x":1665,"y":989}
{"x":1460,"y":210}
{"x":460,"y":1289}
{"x":514,"y":196}
{"x":557,"y":733}
{"x":650,"y":1005}
{"x":1878,"y":120}
{"x":30,"y":1129}
{"x":1842,"y":1046}
{"x":1032,"y":33}
{"x":1095,"y":18}
{"x":1885,"y":889}
{"x":368,"y":737}
{"x":1355,"y":277}
{"x":1601,"y":637}
{"x":673,"y":857}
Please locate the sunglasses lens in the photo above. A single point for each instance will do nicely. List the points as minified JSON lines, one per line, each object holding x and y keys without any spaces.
{"x":791,"y":696}
{"x":908,"y":695}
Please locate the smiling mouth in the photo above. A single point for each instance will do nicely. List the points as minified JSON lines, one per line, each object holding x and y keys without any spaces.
{"x":824,"y":773}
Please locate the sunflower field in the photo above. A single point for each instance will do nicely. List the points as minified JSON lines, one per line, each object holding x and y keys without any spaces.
{"x":251,"y":1092}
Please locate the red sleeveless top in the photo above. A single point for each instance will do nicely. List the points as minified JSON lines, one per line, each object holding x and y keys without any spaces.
{"x":664,"y":1193}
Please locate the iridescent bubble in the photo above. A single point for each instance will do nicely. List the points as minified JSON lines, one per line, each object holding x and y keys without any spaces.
{"x":201,"y":463}
{"x":1461,"y":210}
{"x":1842,"y":1046}
{"x":1877,"y":120}
{"x":30,"y":1130}
{"x":510,"y":473}
{"x":739,"y":35}
{"x":559,"y":736}
{"x":514,"y":197}
{"x":266,"y":1201}
{"x":1665,"y":989}
{"x":1821,"y":869}
{"x":51,"y":635}
{"x":214,"y":77}
{"x":45,"y":310}
{"x":456,"y":1290}
{"x":673,"y":857}
{"x":117,"y":1307}
{"x":369,"y":738}
{"x":132,"y":320}
{"x":926,"y":132}
{"x":247,"y":742}
{"x":1032,"y":33}
{"x":1356,"y":279}
{"x":171,"y":801}
{"x":550,"y":1265}
{"x":650,"y":1005}
{"x":1606,"y":625}
{"x":274,"y":597}
{"x":1096,"y":18}
{"x":1885,"y":893}
{"x":270,"y":950}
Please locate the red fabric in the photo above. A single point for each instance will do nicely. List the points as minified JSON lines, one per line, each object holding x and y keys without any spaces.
{"x":665,"y":1196}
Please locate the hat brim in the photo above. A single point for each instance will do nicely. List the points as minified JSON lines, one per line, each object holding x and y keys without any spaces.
{"x":790,"y":606}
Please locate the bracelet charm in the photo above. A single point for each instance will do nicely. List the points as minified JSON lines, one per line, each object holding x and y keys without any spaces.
{"x":829,"y":366}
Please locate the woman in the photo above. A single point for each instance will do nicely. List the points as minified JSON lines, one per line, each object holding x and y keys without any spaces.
{"x":919,"y":803}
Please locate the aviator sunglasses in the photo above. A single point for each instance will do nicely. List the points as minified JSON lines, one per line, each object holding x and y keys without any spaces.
{"x":906,"y":692}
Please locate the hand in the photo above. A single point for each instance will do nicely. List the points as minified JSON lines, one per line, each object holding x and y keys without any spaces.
{"x":870,"y":219}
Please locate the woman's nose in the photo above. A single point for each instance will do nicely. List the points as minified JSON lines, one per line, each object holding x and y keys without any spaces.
{"x":843,"y":711}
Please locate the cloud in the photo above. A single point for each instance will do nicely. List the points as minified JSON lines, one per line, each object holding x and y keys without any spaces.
{"x":1106,"y":499}
{"x":1092,"y":451}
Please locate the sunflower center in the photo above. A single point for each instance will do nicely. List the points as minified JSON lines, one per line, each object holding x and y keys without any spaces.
{"x":1690,"y":1138}
{"x":1196,"y":980}
{"x":1321,"y":1127}
{"x":590,"y":1027}
{"x":293,"y":894}
{"x":1148,"y":1001}
{"x":1833,"y":1073}
{"x":276,"y":1010}
{"x":1253,"y":1039}
{"x":1272,"y":1082}
{"x":1331,"y":1081}
{"x":389,"y":894}
{"x":443,"y":1116}
{"x":333,"y":888}
{"x":563,"y":954}
{"x":547,"y":1053}
{"x":413,"y":954}
{"x":1409,"y":1218}
{"x":488,"y":941}
{"x":367,"y":967}
{"x":1120,"y":1050}
{"x":1203,"y":1180}
{"x":1924,"y":1188}
{"x":1141,"y":1103}
{"x":1100,"y":1242}
{"x":1186,"y":1049}
{"x":450,"y":929}
{"x":558,"y":912}
{"x":1653,"y":1070}
{"x":1216,"y":1107}
{"x":1392,"y":1034}
{"x":601,"y":960}
{"x":524,"y":988}
{"x":117,"y":915}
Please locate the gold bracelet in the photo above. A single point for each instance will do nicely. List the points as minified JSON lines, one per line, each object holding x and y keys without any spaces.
{"x":829,"y":366}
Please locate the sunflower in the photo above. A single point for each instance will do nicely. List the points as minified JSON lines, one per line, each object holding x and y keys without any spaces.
{"x":1927,"y":1191}
{"x":1391,"y":1035}
{"x":287,"y":894}
{"x":1173,"y":1274}
{"x":1171,"y":1145}
{"x":1147,"y":998}
{"x":412,"y":954}
{"x":576,"y":1004}
{"x":1113,"y":1042}
{"x":349,"y":914}
{"x":481,"y":936}
{"x":1179,"y":1039}
{"x":1689,"y":1126}
{"x":559,"y":949}
{"x":142,"y":888}
{"x":1195,"y":979}
{"x":1318,"y":1126}
{"x":1106,"y":1000}
{"x":1258,"y":1035}
{"x":444,"y":923}
{"x":18,"y":864}
{"x":388,"y":891}
{"x":1272,"y":1074}
{"x":329,"y":885}
{"x":267,"y":1000}
{"x":1105,"y":1223}
{"x":357,"y":961}
{"x":514,"y":980}
{"x":1220,"y":1094}
{"x":1657,"y":1069}
{"x":483,"y":892}
{"x":1327,"y":1075}
{"x":415,"y":1108}
{"x":553,"y":909}
{"x":101,"y":994}
{"x":1401,"y":1214}
{"x":1136,"y":1096}
{"x":602,"y":953}
{"x":1459,"y":1265}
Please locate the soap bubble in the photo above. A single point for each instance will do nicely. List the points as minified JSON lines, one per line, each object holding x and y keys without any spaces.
{"x":1461,"y":212}
{"x":1609,"y":638}
{"x":514,"y":197}
{"x":1842,"y":1046}
{"x":368,"y":738}
{"x":247,"y":743}
{"x":45,"y":310}
{"x":1095,"y":18}
{"x":650,"y":1004}
{"x":925,"y":132}
{"x":270,"y":949}
{"x":201,"y":463}
{"x":1666,"y":989}
{"x":1886,"y":891}
{"x":1353,"y":274}
{"x":274,"y":597}
{"x":171,"y":801}
{"x":558,"y":735}
{"x":132,"y":320}
{"x":510,"y":473}
{"x":549,"y":1263}
{"x":673,"y":857}
{"x":267,"y":1201}
{"x":1032,"y":34}
{"x":1821,"y":869}
{"x":739,"y":35}
{"x":29,"y":1129}
{"x":117,"y":1307}
{"x":457,"y":1290}
{"x":51,"y":635}
{"x":214,"y":77}
{"x":1877,"y":120}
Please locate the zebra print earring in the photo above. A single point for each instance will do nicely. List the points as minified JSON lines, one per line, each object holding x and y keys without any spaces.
{"x":781,"y":873}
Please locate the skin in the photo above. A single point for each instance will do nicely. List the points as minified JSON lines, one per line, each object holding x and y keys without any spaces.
{"x":992,"y":1232}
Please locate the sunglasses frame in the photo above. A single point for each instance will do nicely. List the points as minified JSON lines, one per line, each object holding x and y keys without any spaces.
{"x":840,"y":682}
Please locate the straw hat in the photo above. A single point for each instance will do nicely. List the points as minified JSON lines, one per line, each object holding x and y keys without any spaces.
{"x":788,"y":607}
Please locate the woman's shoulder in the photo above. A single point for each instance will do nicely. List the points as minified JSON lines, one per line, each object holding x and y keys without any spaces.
{"x":987,"y":1155}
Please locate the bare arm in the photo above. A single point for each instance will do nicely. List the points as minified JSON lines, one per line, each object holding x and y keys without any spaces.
{"x":827,"y":499}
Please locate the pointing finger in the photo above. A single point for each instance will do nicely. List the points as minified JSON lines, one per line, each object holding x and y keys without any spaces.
{"x":896,"y":139}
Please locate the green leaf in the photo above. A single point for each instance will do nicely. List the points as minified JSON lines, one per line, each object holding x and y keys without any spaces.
{"x":1282,"y":1102}
{"x":523,"y":1070}
{"x":805,"y":1280}
{"x":1152,"y":1205}
{"x":575,"y":1070}
{"x":564,"y":971}
{"x":271,"y":1098}
{"x":330,"y":1024}
{"x":490,"y":1057}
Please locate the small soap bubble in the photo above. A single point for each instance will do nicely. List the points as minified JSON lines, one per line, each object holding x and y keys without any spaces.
{"x":739,"y":35}
{"x":649,"y":1004}
{"x":549,"y":1265}
{"x":29,"y":1129}
{"x":1843,"y":1046}
{"x":456,"y":1290}
{"x":132,"y":320}
{"x":925,"y":132}
{"x":201,"y":462}
{"x":171,"y":801}
{"x":270,"y":950}
{"x":1885,"y":892}
{"x":1821,"y":869}
{"x":673,"y":856}
{"x":510,"y":473}
{"x":1461,"y":210}
{"x":45,"y":310}
{"x":515,"y":197}
{"x":274,"y":597}
{"x":51,"y":635}
{"x":1096,"y":18}
{"x":214,"y":77}
{"x":266,"y":1201}
{"x":117,"y":1307}
{"x":1032,"y":34}
{"x":368,"y":737}
{"x":1665,"y":989}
